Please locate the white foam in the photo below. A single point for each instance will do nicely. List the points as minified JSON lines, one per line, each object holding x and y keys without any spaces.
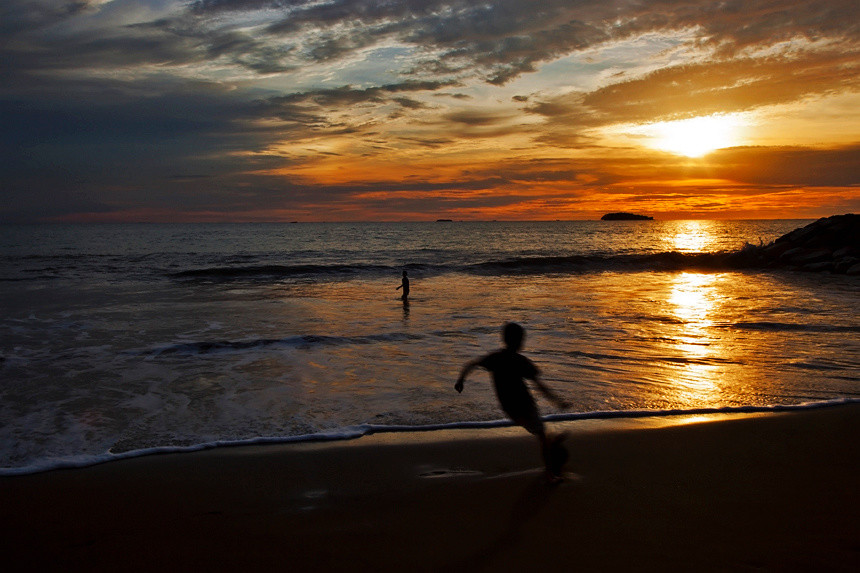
{"x":357,"y":431}
{"x":645,"y":413}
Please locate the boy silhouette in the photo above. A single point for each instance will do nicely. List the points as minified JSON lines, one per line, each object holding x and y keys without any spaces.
{"x":509,"y":368}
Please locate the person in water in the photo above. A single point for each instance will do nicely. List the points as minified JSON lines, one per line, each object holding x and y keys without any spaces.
{"x":509,"y":368}
{"x":404,"y":284}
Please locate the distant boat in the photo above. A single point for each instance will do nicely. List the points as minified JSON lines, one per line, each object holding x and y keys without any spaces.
{"x":625,"y":217}
{"x":444,"y":220}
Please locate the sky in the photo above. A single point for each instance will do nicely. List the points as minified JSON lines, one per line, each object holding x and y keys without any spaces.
{"x":399,"y":110}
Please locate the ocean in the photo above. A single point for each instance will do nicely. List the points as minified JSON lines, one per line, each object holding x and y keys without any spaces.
{"x":120,"y":340}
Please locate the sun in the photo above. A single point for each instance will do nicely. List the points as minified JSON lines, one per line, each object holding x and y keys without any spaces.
{"x":696,"y":136}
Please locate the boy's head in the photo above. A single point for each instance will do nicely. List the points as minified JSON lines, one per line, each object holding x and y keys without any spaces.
{"x":513,"y":335}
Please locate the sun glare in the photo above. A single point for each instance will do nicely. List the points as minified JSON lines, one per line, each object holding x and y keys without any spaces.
{"x":694,"y":137}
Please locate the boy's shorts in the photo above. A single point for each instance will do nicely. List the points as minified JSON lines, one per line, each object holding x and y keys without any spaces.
{"x":526,"y":415}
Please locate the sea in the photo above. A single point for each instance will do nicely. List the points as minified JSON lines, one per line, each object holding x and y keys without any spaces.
{"x":120,"y":340}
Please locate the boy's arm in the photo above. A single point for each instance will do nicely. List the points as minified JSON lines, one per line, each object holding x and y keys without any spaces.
{"x":465,"y":372}
{"x":549,"y":393}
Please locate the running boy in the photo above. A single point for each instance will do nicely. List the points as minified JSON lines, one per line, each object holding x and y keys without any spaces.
{"x":508,"y":368}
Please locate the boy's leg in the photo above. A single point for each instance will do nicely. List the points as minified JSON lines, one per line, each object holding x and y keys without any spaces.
{"x":534,"y":425}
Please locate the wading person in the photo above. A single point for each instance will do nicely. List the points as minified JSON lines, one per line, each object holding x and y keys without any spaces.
{"x":404,"y":284}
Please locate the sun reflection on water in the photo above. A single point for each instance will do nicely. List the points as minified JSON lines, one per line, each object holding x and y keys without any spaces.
{"x":691,"y":237}
{"x":694,"y":298}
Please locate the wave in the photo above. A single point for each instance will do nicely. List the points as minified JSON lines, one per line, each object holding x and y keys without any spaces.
{"x":666,"y":261}
{"x":670,"y":260}
{"x":303,"y":341}
{"x":358,"y":431}
{"x":790,"y":327}
{"x":825,"y":365}
{"x":227,"y":273}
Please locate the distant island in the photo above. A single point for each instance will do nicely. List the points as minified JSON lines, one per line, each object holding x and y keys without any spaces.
{"x":444,"y":220}
{"x":625,"y":217}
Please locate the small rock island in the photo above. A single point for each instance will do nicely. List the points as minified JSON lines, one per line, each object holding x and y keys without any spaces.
{"x":625,"y":217}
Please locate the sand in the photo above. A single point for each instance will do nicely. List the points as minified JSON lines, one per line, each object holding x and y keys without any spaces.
{"x":775,"y":492}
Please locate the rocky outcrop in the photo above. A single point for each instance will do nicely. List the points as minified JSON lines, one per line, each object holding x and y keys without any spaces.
{"x":831,"y":244}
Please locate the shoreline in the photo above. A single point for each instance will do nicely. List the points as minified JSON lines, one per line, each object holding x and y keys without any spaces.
{"x":622,"y":418}
{"x":765,"y":491}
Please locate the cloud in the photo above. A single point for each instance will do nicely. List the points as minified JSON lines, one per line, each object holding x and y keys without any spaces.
{"x":795,"y":166}
{"x":503,"y":39}
{"x":476,"y":118}
{"x":724,"y":87}
{"x":331,"y":111}
{"x":112,"y":105}
{"x":349,"y":95}
{"x":500,"y":39}
{"x":17,"y":16}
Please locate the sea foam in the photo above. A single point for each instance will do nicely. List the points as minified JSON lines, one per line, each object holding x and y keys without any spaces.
{"x":358,"y":431}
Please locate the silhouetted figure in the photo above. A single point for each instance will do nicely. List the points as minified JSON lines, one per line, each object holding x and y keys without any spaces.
{"x":509,"y":368}
{"x":404,"y":284}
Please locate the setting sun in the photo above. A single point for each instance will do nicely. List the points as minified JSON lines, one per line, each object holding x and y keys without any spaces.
{"x":696,"y":136}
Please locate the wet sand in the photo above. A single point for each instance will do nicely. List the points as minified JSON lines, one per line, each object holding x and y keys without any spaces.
{"x":775,"y":492}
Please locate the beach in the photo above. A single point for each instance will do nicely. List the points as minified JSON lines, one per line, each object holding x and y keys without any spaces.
{"x":742,"y":492}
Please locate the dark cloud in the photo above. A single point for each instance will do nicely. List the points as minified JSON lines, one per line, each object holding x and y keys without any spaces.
{"x":477,"y":118}
{"x":795,"y":166}
{"x":504,"y":38}
{"x":251,"y":53}
{"x":17,"y":16}
{"x":409,"y":103}
{"x":349,"y":95}
{"x":312,"y":109}
{"x":119,"y":151}
{"x":736,"y":25}
{"x":428,"y":142}
{"x":499,"y":39}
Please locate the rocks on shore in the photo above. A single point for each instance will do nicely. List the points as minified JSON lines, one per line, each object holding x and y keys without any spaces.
{"x":830,"y":244}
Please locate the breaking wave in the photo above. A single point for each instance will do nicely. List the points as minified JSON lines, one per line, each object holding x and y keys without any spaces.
{"x":667,"y":261}
{"x":304,"y":341}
